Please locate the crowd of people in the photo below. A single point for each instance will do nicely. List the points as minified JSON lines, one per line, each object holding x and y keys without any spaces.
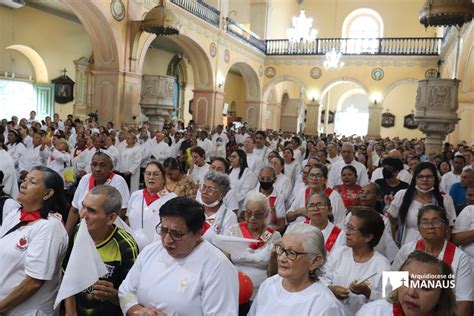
{"x":327,"y":215}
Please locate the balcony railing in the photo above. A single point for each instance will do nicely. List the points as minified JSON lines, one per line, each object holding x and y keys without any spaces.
{"x":247,"y":36}
{"x":423,"y":46}
{"x":200,"y":9}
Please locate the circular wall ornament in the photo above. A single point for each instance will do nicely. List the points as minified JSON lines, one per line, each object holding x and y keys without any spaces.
{"x":270,"y":72}
{"x":431,"y":73}
{"x":117,"y":8}
{"x":315,"y":73}
{"x":377,"y":74}
{"x":260,"y":70}
{"x":226,"y":56}
{"x":213,"y":49}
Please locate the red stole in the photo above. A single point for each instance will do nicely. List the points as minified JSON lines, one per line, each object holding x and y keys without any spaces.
{"x":27,"y":217}
{"x":92,"y":180}
{"x":331,"y":238}
{"x":149,"y":197}
{"x":266,"y":236}
{"x":448,"y":252}
{"x":397,"y":310}
{"x":271,"y":202}
{"x":205,"y":227}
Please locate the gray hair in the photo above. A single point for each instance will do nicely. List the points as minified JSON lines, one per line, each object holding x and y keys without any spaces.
{"x":271,"y":169}
{"x":311,"y":238}
{"x":222,"y":180}
{"x":113,"y":201}
{"x":258,"y":198}
{"x":347,"y":144}
{"x":469,"y":172}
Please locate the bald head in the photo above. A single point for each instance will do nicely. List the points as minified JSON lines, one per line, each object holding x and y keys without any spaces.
{"x":394,"y":153}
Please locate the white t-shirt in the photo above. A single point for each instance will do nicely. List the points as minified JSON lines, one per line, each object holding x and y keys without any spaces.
{"x":146,"y":217}
{"x":279,"y":203}
{"x":334,"y":176}
{"x":255,"y":163}
{"x":202,"y":283}
{"x":465,"y":222}
{"x":274,"y":299}
{"x":403,"y":175}
{"x":461,"y":268}
{"x":341,"y":269}
{"x":83,"y":188}
{"x":10,"y":184}
{"x":9,"y":206}
{"x":447,"y":180}
{"x":283,"y":184}
{"x":377,"y":308}
{"x":198,"y":173}
{"x":411,"y":232}
{"x":32,"y":157}
{"x":219,"y":222}
{"x":37,"y":251}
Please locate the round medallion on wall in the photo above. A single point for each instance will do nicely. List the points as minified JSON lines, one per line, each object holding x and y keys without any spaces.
{"x":431,"y":73}
{"x":117,"y":8}
{"x":260,"y":70}
{"x":377,"y":74}
{"x":270,"y":72}
{"x":213,"y":49}
{"x":226,"y":56}
{"x":315,"y":73}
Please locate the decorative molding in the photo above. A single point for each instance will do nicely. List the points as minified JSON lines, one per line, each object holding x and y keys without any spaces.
{"x":372,"y":61}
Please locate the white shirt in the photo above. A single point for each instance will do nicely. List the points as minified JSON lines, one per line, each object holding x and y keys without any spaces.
{"x":240,"y":138}
{"x":28,"y":141}
{"x":9,"y":206}
{"x":130,"y":160}
{"x":255,"y":163}
{"x":274,"y":299}
{"x":202,"y":283}
{"x":113,"y":151}
{"x":33,"y":157}
{"x":16,"y":151}
{"x":198,"y":173}
{"x":262,"y":153}
{"x":41,"y":258}
{"x":333,"y":161}
{"x":461,"y":268}
{"x":279,"y":205}
{"x":341,"y":238}
{"x":222,"y":135}
{"x":208,"y":147}
{"x":160,"y":150}
{"x":283,"y":184}
{"x":58,"y":161}
{"x":242,"y":186}
{"x":291,"y":171}
{"x":219,"y":222}
{"x":334,"y":176}
{"x":341,"y":269}
{"x":146,"y":217}
{"x":447,"y":180}
{"x":83,"y":188}
{"x":376,"y":308}
{"x":465,"y":222}
{"x":403,"y":175}
{"x":10,"y":184}
{"x":411,"y":232}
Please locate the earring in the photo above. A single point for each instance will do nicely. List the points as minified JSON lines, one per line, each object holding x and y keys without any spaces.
{"x":45,"y":198}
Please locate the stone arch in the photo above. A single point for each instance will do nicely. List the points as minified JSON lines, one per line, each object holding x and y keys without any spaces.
{"x":337,"y":81}
{"x":270,"y":85}
{"x":396,"y":84}
{"x":39,"y":66}
{"x":346,"y":95}
{"x":250,"y":76}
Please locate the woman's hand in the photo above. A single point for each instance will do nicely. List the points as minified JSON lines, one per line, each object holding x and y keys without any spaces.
{"x":139,"y":310}
{"x":339,"y":291}
{"x":360,"y":288}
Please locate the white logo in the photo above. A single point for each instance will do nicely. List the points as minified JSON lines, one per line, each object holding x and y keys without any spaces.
{"x":392,"y":280}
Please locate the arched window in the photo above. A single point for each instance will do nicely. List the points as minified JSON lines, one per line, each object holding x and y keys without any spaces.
{"x":364,"y":27}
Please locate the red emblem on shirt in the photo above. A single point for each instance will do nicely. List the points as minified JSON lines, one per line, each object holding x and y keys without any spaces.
{"x":22,"y":244}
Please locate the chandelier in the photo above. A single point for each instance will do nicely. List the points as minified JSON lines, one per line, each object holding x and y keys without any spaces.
{"x":333,"y":59}
{"x":302,"y":30}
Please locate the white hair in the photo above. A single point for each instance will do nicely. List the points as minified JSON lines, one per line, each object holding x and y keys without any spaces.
{"x":311,"y":238}
{"x":260,"y":199}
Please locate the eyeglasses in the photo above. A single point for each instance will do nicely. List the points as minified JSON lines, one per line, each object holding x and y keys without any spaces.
{"x":174,"y":234}
{"x":316,"y":205}
{"x":256,"y":215}
{"x":427,"y":177}
{"x":315,"y":175}
{"x":304,"y":174}
{"x":436,"y":223}
{"x":152,"y":174}
{"x":351,"y":229}
{"x":209,"y":190}
{"x":290,"y":254}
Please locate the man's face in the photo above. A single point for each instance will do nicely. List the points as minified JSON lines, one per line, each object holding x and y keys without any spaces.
{"x":92,"y":211}
{"x":458,"y":164}
{"x":249,"y":145}
{"x":101,"y":167}
{"x":347,"y":153}
{"x":32,"y":115}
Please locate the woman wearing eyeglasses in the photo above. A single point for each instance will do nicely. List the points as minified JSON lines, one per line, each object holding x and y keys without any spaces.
{"x":296,"y":289}
{"x":143,"y":210}
{"x":181,"y":274}
{"x":254,"y":261}
{"x":423,"y":189}
{"x":354,"y":272}
{"x":218,"y":217}
{"x":433,"y":226}
{"x":319,"y":215}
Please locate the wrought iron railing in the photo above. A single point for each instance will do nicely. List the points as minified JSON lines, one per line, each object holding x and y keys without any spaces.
{"x":357,"y":46}
{"x":247,"y":36}
{"x":200,"y":9}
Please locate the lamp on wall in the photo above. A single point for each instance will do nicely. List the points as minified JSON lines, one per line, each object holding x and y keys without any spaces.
{"x":161,"y":21}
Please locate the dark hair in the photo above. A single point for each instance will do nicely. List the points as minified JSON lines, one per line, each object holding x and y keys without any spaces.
{"x":173,"y":164}
{"x":57,"y":203}
{"x":351,"y":168}
{"x":306,"y":154}
{"x":438,"y":166}
{"x":291,"y":151}
{"x":282,"y":162}
{"x":18,"y":138}
{"x":320,"y":166}
{"x":372,"y":224}
{"x":242,"y":161}
{"x":431,"y":207}
{"x":188,"y":209}
{"x":411,"y":191}
{"x":159,"y":166}
{"x":395,"y":163}
{"x":2,"y":142}
{"x":224,"y":161}
{"x":198,"y":150}
{"x":261,"y":133}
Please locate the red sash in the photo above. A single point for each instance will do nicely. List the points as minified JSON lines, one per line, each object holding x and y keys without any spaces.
{"x":328,"y":192}
{"x":266,"y":236}
{"x":149,"y":197}
{"x":92,"y":180}
{"x":29,"y":216}
{"x":307,"y":195}
{"x":397,"y":310}
{"x":307,"y":220}
{"x":332,"y":238}
{"x":271,"y":202}
{"x":448,"y":252}
{"x":205,"y":227}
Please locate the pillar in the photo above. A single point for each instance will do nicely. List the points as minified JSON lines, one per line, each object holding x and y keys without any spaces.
{"x":207,"y":108}
{"x":83,"y":91}
{"x":253,"y":114}
{"x":157,"y":99}
{"x":312,"y":117}
{"x":375,"y":120}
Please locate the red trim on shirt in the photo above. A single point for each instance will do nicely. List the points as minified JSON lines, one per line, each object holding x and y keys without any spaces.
{"x":267,"y":234}
{"x":448,"y":252}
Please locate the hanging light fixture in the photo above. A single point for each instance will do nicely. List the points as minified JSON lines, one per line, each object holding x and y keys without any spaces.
{"x":333,"y":56}
{"x":161,"y":21}
{"x":446,"y":12}
{"x":302,"y":30}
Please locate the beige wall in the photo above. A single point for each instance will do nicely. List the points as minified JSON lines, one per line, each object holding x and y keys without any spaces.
{"x":234,"y":91}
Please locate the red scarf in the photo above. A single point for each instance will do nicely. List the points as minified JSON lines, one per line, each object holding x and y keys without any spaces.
{"x":350,"y":197}
{"x":27,"y":217}
{"x":448,"y":252}
{"x":92,"y":180}
{"x":150,"y":197}
{"x":397,"y":310}
{"x":267,"y":234}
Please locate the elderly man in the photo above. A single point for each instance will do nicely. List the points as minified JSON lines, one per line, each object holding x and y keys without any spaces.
{"x":116,"y":248}
{"x":102,"y":168}
{"x":458,"y":190}
{"x":334,"y":177}
{"x":158,"y":148}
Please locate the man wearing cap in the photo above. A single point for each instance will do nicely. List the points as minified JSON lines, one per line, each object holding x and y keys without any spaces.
{"x":390,"y":184}
{"x":453,"y":176}
{"x":102,"y":173}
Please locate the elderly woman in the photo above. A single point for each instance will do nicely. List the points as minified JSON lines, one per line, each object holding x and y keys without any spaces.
{"x":242,"y":179}
{"x":423,"y":189}
{"x":34,"y":241}
{"x":143,"y":210}
{"x":437,"y":301}
{"x":433,"y":226}
{"x":218,"y":217}
{"x":255,"y":260}
{"x":319,"y":215}
{"x":181,"y":274}
{"x":354,"y":272}
{"x":177,"y":181}
{"x":296,"y":290}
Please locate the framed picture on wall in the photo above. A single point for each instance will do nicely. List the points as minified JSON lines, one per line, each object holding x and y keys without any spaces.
{"x":63,"y":89}
{"x":388,"y":120}
{"x":330,"y":117}
{"x":409,"y":122}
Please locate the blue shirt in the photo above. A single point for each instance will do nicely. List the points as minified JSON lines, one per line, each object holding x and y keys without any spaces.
{"x":458,"y":193}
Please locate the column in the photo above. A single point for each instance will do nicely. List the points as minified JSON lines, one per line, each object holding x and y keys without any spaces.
{"x":107,"y":87}
{"x":83,"y":88}
{"x":312,"y":117}
{"x":253,"y":114}
{"x":207,"y":108}
{"x":375,"y":120}
{"x":157,"y":99}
